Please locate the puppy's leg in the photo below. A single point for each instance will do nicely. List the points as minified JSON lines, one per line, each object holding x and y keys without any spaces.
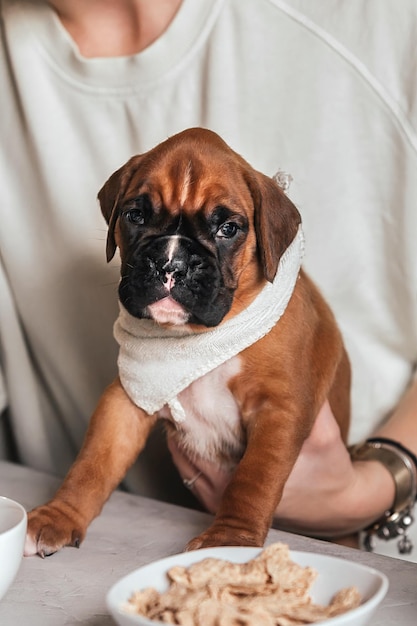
{"x":249,"y":501}
{"x":117,"y":433}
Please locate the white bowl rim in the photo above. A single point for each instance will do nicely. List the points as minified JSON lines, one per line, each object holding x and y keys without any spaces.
{"x":368,"y":605}
{"x":19,"y":507}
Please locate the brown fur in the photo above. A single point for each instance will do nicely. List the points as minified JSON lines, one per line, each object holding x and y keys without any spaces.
{"x":285,"y":378}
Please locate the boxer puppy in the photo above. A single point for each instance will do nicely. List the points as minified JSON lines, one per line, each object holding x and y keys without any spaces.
{"x":221,"y":334}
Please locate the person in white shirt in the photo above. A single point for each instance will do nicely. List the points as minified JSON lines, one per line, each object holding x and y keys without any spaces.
{"x":326,"y":91}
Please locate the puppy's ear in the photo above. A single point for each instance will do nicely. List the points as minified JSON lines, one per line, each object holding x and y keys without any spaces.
{"x":276,"y":222}
{"x":108,"y":197}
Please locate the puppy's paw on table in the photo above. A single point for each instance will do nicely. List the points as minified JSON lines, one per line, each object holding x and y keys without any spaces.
{"x":49,"y":530}
{"x":224,"y":536}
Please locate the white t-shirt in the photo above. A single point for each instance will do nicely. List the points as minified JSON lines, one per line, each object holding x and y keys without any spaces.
{"x":324,"y":90}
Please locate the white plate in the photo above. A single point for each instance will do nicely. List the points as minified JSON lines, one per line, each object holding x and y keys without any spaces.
{"x":334,"y":574}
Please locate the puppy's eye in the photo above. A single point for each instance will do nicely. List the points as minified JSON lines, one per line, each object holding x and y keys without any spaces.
{"x":137,"y":211}
{"x":135,"y":216}
{"x":228,"y":230}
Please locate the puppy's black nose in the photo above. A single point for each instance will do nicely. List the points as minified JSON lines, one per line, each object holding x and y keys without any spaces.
{"x":176,"y":266}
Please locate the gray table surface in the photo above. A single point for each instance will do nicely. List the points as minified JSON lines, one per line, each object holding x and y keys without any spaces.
{"x":69,"y":588}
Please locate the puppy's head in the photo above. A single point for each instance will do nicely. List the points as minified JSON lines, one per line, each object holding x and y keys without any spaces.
{"x":199,"y":230}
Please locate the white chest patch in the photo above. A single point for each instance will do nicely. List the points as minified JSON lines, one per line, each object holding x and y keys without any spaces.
{"x":212,"y":426}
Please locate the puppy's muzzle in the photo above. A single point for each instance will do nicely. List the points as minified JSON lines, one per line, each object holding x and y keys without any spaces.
{"x":178,"y":268}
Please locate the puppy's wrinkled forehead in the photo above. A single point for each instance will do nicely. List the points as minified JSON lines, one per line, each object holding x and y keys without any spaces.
{"x":188,"y":173}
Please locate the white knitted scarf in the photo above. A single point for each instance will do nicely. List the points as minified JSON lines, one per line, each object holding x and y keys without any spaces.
{"x":157,"y":363}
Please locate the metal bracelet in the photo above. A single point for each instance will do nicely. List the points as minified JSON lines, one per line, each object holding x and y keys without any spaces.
{"x":396,"y":521}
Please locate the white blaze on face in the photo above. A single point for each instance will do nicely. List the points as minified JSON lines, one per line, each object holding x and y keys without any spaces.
{"x":171,"y":249}
{"x":167,"y":310}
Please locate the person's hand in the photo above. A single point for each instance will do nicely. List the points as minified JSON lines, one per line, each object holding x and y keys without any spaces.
{"x":206,"y":480}
{"x":325,"y":495}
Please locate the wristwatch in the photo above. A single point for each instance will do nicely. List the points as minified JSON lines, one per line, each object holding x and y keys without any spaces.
{"x":402,"y":464}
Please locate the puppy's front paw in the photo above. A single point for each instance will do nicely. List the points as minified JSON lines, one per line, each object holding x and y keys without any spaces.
{"x":225,"y":536}
{"x":50,"y":529}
